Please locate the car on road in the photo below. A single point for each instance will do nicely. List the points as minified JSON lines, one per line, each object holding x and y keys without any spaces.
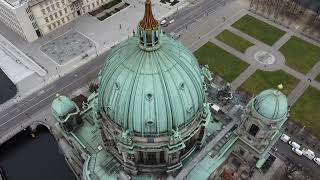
{"x":164,"y":22}
{"x":294,"y":144}
{"x":171,"y":21}
{"x":284,"y":138}
{"x":317,"y":160}
{"x":297,"y":151}
{"x":308,"y":153}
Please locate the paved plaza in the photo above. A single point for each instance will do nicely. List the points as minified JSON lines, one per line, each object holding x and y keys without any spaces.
{"x":67,"y":47}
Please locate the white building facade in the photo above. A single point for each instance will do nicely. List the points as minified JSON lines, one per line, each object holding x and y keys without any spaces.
{"x":35,"y":18}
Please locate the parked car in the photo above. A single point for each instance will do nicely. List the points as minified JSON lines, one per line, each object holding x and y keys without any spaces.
{"x":171,"y":21}
{"x":284,"y":138}
{"x":297,"y":151}
{"x":317,"y":160}
{"x":308,"y":153}
{"x":294,"y":144}
{"x":164,"y":22}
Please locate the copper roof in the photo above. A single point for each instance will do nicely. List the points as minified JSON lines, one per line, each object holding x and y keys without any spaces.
{"x":148,"y":22}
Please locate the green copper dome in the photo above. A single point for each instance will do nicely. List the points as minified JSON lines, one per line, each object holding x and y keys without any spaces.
{"x":271,"y":104}
{"x":62,"y":106}
{"x":151,"y":91}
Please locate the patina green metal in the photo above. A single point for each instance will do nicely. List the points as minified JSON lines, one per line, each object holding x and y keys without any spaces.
{"x":271,"y":105}
{"x":151,"y":92}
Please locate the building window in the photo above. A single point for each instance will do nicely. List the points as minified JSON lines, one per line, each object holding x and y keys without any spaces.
{"x":52,"y":6}
{"x":151,"y":158}
{"x":60,"y":13}
{"x":46,"y":19}
{"x":253,"y":130}
{"x":66,"y":10}
{"x":51,"y":17}
{"x":58,"y":4}
{"x":43,"y":11}
{"x":48,"y":9}
{"x":62,"y":20}
{"x":56,"y":15}
{"x":49,"y":27}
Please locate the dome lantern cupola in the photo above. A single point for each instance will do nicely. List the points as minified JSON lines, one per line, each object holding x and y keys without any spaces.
{"x":148,"y":29}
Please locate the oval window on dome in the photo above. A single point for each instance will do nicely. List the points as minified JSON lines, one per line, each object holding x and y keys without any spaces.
{"x":182,"y":86}
{"x":150,"y":122}
{"x":117,"y":85}
{"x":149,"y":96}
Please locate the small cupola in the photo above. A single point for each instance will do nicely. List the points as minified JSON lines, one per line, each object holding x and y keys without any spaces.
{"x":148,"y":29}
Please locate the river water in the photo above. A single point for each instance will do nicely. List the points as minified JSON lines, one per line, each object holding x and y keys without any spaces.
{"x":39,"y":158}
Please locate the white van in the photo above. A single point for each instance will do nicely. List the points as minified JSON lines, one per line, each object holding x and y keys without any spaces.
{"x":215,"y":107}
{"x":294,"y":144}
{"x":284,"y":138}
{"x":297,"y":151}
{"x":317,"y":160}
{"x":308,"y":153}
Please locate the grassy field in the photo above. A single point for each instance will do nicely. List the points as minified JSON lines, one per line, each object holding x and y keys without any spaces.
{"x":300,"y":55}
{"x":305,"y":111}
{"x":258,"y":29}
{"x":318,"y":78}
{"x":220,"y":61}
{"x":262,"y":80}
{"x":234,"y":41}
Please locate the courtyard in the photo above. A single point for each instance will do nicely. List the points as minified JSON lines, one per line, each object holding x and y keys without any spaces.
{"x":244,"y":53}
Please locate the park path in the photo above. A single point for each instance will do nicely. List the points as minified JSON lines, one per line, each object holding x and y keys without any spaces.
{"x":235,"y":84}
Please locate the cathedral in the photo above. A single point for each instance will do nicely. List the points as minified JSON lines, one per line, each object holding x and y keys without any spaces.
{"x":150,"y":117}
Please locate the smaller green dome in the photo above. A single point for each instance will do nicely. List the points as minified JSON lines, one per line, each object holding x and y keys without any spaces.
{"x":62,"y":106}
{"x":271,"y":104}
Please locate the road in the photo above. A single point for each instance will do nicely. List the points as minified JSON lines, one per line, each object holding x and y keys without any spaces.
{"x":25,"y":109}
{"x":284,"y":149}
{"x":191,"y":14}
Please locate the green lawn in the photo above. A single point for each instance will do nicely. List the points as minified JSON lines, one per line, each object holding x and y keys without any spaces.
{"x":220,"y":61}
{"x":234,"y":41}
{"x":262,"y":80}
{"x":318,"y":78}
{"x":300,"y":55}
{"x":258,"y":29}
{"x":305,"y":111}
